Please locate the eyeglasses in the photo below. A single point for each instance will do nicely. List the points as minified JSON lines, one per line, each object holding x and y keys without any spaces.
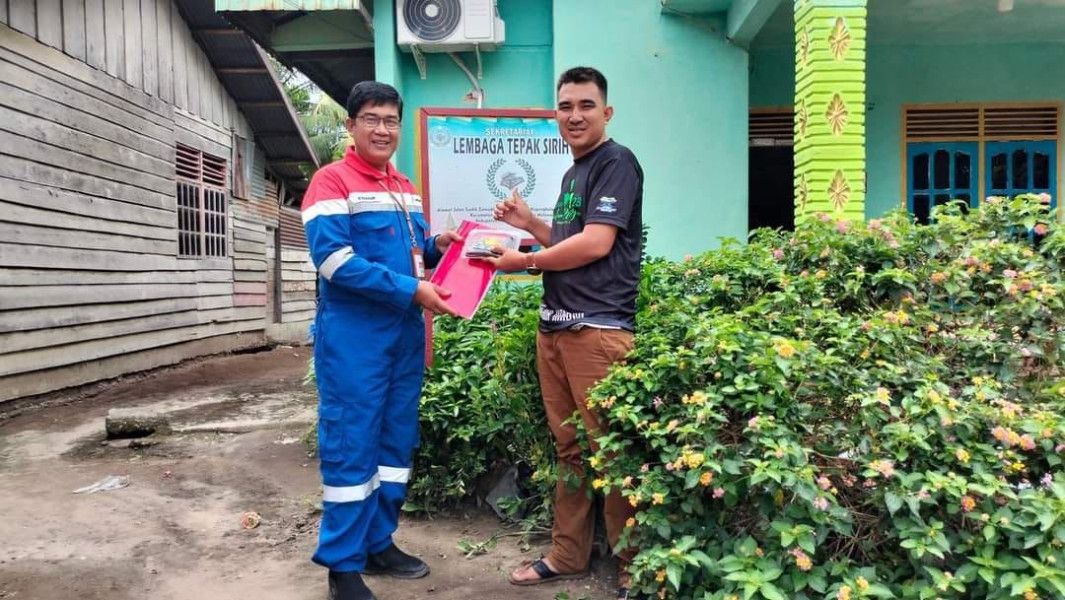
{"x":372,"y":121}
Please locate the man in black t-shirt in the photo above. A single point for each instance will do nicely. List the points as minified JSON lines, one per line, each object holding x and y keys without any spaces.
{"x":591,"y":265}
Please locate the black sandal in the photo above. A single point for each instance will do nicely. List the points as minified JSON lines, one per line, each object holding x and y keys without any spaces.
{"x":545,"y":574}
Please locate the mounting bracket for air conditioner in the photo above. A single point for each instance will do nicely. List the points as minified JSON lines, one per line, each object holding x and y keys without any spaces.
{"x":419,"y":59}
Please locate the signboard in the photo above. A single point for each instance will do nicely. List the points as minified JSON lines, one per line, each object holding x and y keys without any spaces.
{"x":472,"y":159}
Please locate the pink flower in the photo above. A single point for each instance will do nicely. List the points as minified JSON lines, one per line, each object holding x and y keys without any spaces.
{"x":1009,"y":274}
{"x":1000,"y":433}
{"x":669,"y":466}
{"x":645,"y":468}
{"x":1059,"y":448}
{"x":1047,"y":480}
{"x":824,"y":483}
{"x":869,"y":483}
{"x":778,"y":254}
{"x":688,"y":257}
{"x":753,"y":423}
{"x":1044,"y":198}
{"x":824,"y":218}
{"x":874,"y":225}
{"x":1027,"y":442}
{"x":719,"y":492}
{"x":1040,"y":229}
{"x":971,"y":261}
{"x":1025,"y":286}
{"x":821,"y":503}
{"x":866,"y":326}
{"x":842,"y":226}
{"x":1025,"y":352}
{"x":884,"y":467}
{"x":924,"y":495}
{"x":657,"y":402}
{"x":894,"y":245}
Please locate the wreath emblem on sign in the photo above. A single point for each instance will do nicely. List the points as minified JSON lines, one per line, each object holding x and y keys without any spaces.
{"x":501,"y":184}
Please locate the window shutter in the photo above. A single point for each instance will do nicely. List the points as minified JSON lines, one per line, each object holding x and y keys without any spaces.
{"x":771,"y":128}
{"x":1021,"y":123}
{"x":189,"y":163}
{"x":947,"y":123}
{"x":214,"y":170}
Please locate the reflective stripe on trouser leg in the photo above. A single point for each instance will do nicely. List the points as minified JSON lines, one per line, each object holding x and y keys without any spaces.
{"x":353,"y":381}
{"x":399,"y":433}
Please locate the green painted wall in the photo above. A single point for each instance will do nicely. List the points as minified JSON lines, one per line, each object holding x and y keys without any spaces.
{"x":387,"y":56}
{"x":680,"y":92}
{"x":900,"y":75}
{"x":517,"y":75}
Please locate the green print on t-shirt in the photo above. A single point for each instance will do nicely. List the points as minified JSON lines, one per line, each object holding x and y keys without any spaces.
{"x":569,"y":208}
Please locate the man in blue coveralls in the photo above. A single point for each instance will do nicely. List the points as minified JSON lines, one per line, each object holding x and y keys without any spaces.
{"x":370,"y":243}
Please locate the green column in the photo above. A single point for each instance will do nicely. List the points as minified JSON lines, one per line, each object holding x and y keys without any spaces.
{"x":830,"y":108}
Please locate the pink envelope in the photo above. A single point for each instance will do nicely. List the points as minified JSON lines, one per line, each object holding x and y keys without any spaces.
{"x":468,"y":280}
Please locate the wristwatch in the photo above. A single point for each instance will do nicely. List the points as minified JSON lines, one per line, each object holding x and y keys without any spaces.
{"x":530,"y":264}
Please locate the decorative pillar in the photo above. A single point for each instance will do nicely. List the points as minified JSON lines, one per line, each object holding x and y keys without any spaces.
{"x":830,"y":108}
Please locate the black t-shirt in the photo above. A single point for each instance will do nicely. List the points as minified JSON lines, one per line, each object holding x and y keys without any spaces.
{"x":603,"y":186}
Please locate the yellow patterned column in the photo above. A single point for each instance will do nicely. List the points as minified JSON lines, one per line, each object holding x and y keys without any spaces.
{"x":830,"y":108}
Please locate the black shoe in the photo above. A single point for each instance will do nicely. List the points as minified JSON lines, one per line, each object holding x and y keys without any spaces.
{"x":397,"y":563}
{"x":625,"y":594}
{"x":348,"y":586}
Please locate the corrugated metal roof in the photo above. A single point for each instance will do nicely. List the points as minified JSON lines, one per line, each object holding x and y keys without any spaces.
{"x":308,"y":5}
{"x":244,"y":69}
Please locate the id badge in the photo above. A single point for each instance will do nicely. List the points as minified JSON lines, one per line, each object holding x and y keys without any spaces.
{"x":419,"y":264}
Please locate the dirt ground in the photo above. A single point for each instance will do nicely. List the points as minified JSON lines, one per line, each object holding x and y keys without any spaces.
{"x":175,"y":532}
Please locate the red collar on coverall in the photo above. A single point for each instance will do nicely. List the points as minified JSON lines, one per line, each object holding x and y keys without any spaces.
{"x":352,"y":159}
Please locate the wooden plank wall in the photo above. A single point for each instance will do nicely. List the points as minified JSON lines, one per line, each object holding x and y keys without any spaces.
{"x":142,"y":42}
{"x":298,"y":278}
{"x":91,"y":284}
{"x":298,"y":275}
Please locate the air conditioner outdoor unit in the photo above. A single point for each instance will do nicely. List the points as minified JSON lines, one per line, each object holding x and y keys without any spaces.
{"x":448,"y":25}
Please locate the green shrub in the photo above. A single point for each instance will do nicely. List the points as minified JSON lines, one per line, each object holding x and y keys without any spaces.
{"x":481,"y":407}
{"x":852,"y":411}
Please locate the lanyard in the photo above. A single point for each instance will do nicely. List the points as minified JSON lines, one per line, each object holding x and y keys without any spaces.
{"x":417,"y":261}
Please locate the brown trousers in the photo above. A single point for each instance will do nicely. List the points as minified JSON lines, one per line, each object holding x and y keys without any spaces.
{"x":571,"y":363}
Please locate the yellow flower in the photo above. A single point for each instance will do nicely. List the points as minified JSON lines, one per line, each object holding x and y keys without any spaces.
{"x":634,"y":500}
{"x":882,"y":395}
{"x":785,"y":349}
{"x":694,"y":461}
{"x":594,"y":461}
{"x":630,"y":523}
{"x":932,"y":328}
{"x":968,"y":504}
{"x":695,"y":398}
{"x":660,"y":576}
{"x":599,"y":484}
{"x":627,"y":482}
{"x":962,"y":455}
{"x":658,"y":498}
{"x":844,"y":593}
{"x":1030,"y":594}
{"x":706,"y":478}
{"x":865,"y":354}
{"x":863,"y":584}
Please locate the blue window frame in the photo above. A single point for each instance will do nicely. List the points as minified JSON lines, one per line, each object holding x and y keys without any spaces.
{"x":1021,"y":167}
{"x":939,"y":172}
